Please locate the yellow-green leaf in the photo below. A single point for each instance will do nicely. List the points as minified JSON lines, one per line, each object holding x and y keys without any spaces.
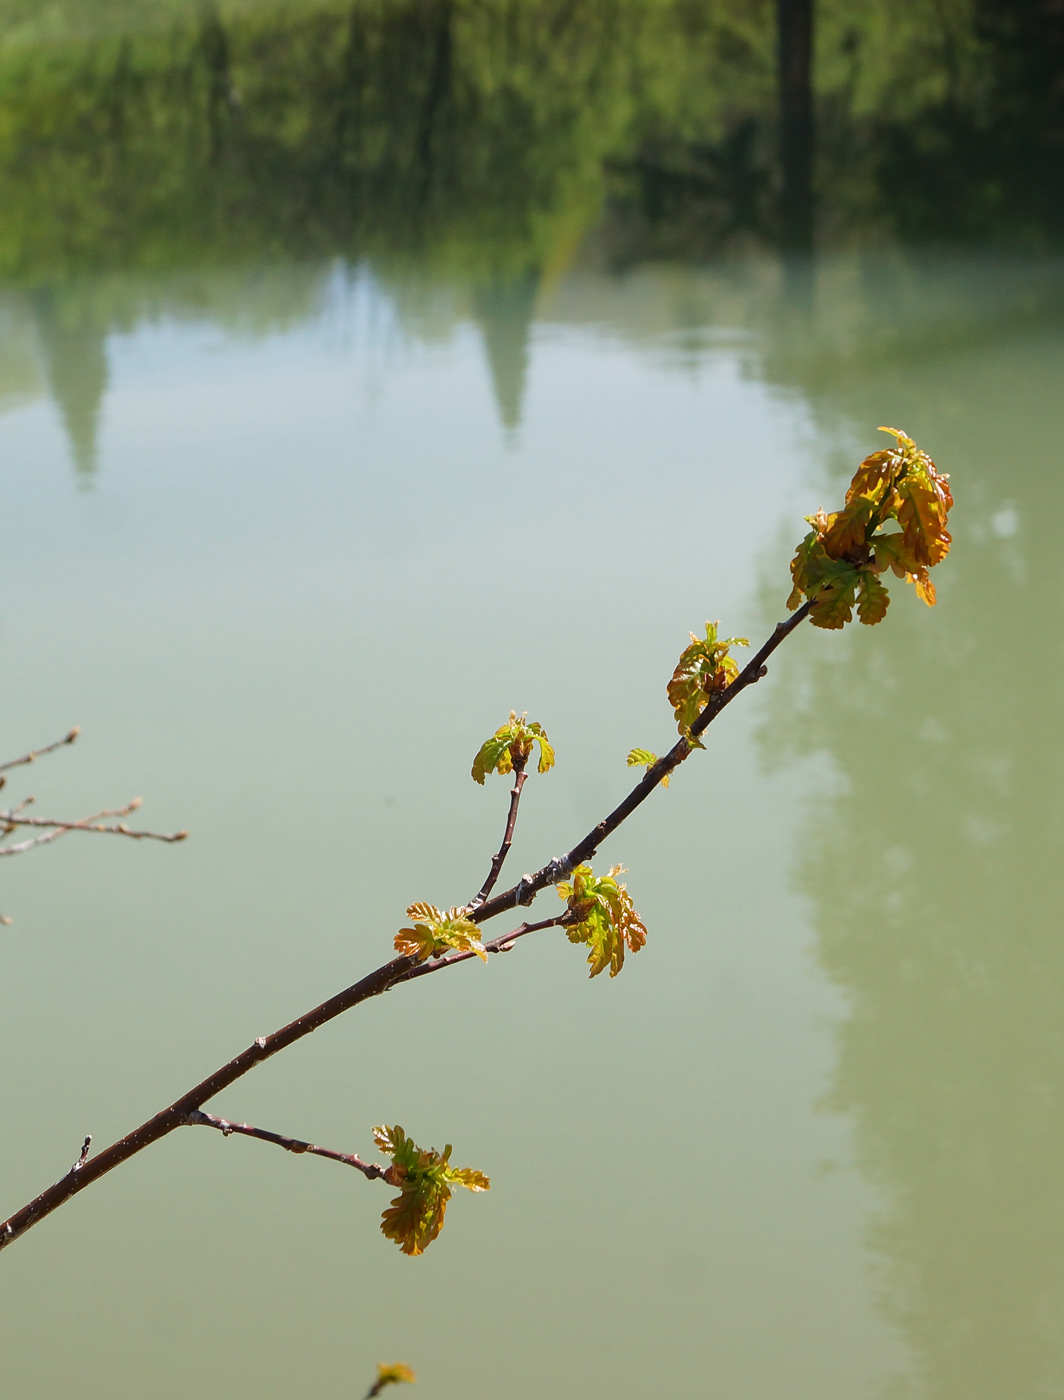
{"x":391,"y":1374}
{"x":703,"y":671}
{"x":424,"y":1177}
{"x":601,"y":916}
{"x":643,"y":758}
{"x":436,"y":932}
{"x":510,"y":746}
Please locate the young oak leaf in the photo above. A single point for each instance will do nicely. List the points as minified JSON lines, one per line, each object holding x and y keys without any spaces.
{"x":436,"y":932}
{"x":892,"y":552}
{"x":703,"y":670}
{"x":839,"y":562}
{"x":643,"y":758}
{"x":509,"y":748}
{"x":424,"y":1177}
{"x":872,"y":598}
{"x":601,"y":916}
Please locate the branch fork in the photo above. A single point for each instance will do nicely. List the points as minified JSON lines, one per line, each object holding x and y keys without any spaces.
{"x":188,"y":1110}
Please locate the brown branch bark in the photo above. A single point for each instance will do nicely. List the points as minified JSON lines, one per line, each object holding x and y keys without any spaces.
{"x":370,"y":1170}
{"x":403,"y":969}
{"x":507,"y":839}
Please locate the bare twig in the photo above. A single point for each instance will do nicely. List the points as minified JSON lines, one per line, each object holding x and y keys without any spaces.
{"x":508,"y":835}
{"x":39,"y":753}
{"x":370,"y":1170}
{"x":392,"y":973}
{"x":10,"y":820}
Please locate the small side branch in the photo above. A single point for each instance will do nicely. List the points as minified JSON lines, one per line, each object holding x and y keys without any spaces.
{"x":370,"y":1170}
{"x":50,"y":830}
{"x":39,"y":753}
{"x":507,"y":839}
{"x":502,"y":944}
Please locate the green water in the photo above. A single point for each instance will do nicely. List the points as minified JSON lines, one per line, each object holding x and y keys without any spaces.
{"x":294,"y":513}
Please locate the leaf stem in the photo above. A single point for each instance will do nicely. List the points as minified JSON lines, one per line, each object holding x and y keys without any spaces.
{"x":507,"y":838}
{"x":370,"y":1170}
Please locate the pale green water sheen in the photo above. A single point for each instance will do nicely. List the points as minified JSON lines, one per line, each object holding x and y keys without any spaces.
{"x":288,"y":544}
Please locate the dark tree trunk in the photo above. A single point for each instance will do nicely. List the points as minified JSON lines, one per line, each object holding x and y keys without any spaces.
{"x":795,"y":54}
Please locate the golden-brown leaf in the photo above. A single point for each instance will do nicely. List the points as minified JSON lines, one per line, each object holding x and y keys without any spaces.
{"x":601,"y":916}
{"x":424,"y":1177}
{"x":872,"y":598}
{"x":436,"y":932}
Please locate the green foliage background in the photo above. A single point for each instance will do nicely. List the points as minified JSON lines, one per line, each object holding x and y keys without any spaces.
{"x":148,"y":135}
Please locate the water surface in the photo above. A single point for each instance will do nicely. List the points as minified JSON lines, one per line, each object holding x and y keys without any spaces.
{"x":290,"y":524}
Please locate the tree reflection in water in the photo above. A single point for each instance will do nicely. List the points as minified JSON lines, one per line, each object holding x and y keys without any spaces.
{"x":934,"y":864}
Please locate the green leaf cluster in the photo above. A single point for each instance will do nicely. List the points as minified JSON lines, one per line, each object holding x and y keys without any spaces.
{"x":601,"y":915}
{"x":510,"y":746}
{"x":643,"y":758}
{"x":424,"y":1177}
{"x":840,"y":562}
{"x":703,"y":670}
{"x":436,"y":932}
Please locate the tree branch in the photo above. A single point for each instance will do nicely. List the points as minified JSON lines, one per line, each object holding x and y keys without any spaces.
{"x":402,"y":969}
{"x":9,"y":820}
{"x":507,"y":838}
{"x":39,"y":753}
{"x":496,"y":945}
{"x":370,"y":1170}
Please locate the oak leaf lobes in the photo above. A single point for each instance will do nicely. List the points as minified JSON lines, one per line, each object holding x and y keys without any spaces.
{"x":601,"y":916}
{"x":436,"y":932}
{"x":424,"y":1177}
{"x":703,"y":671}
{"x":509,"y":748}
{"x":839,"y":563}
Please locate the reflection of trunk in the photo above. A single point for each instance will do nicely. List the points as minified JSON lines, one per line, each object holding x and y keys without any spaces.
{"x":795,"y":35}
{"x":439,"y":85}
{"x":436,"y":94}
{"x":221,"y":96}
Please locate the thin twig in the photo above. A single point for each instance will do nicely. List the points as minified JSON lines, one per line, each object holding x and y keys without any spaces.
{"x":9,"y":820}
{"x":383,"y":978}
{"x":39,"y":753}
{"x":507,"y":837}
{"x":370,"y":1170}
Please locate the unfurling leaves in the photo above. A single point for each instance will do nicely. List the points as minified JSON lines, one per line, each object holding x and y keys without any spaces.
{"x":424,"y":1177}
{"x":601,"y":915}
{"x":436,"y":932}
{"x":838,"y":564}
{"x":509,"y":748}
{"x":389,"y":1375}
{"x":643,"y":758}
{"x":703,"y":671}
